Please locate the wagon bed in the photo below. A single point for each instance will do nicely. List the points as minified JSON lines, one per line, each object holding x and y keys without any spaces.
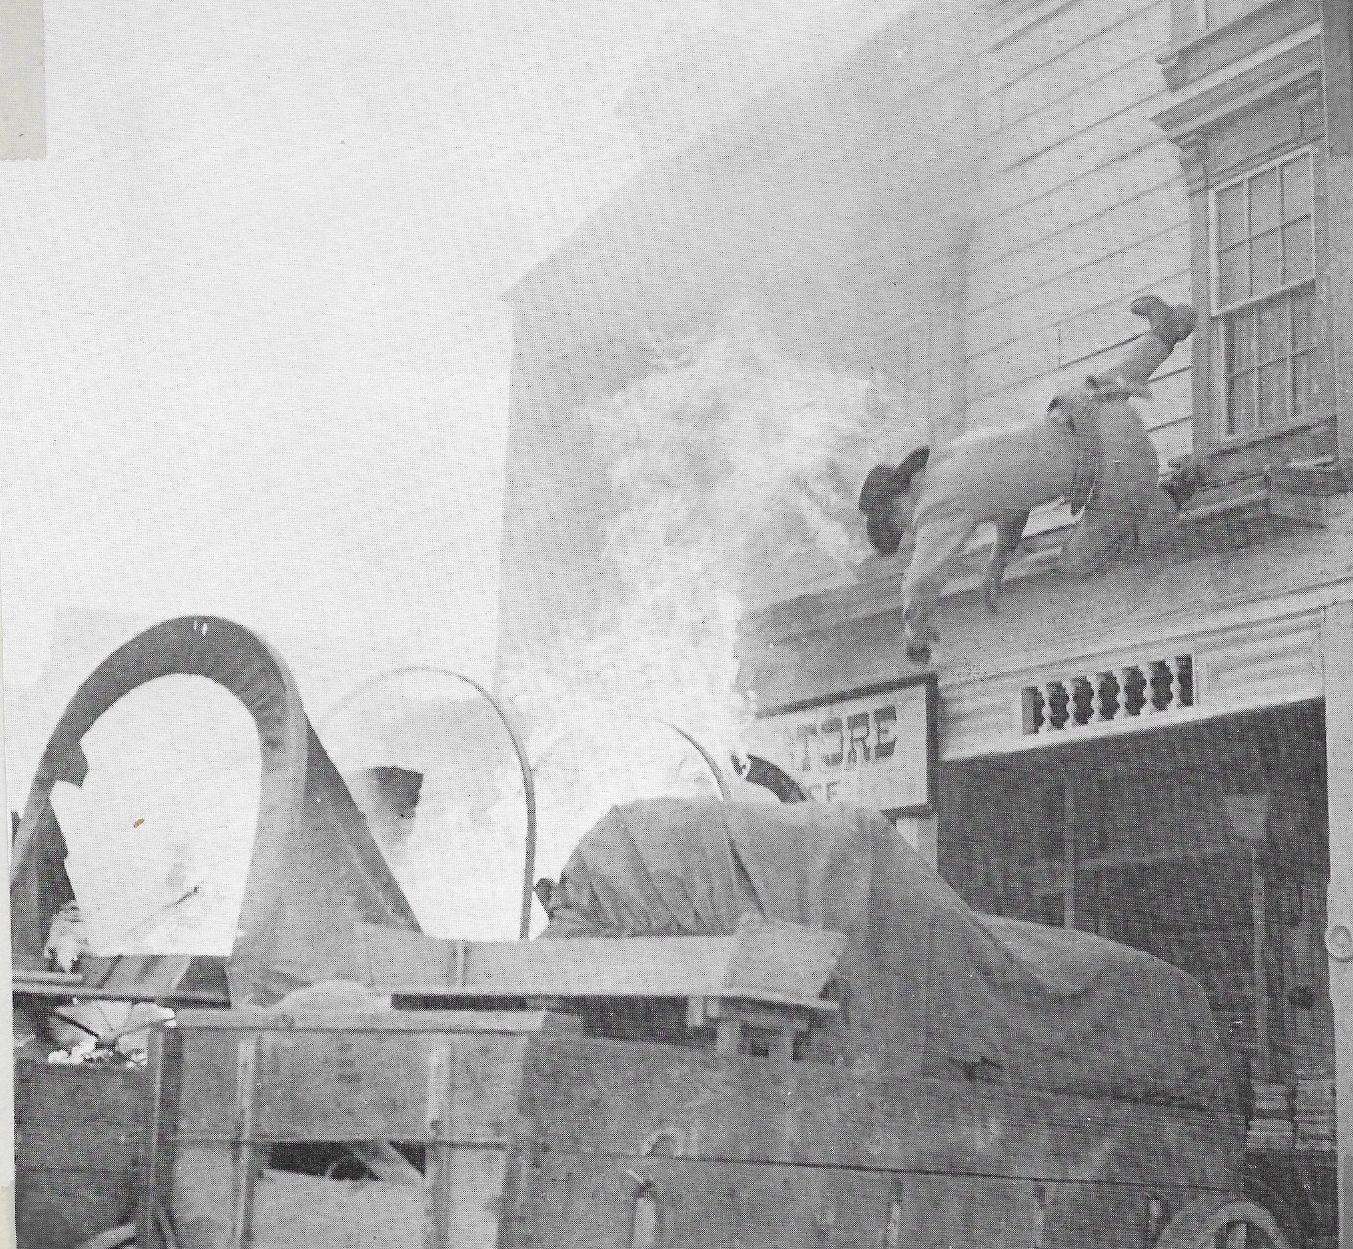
{"x":524,"y":1131}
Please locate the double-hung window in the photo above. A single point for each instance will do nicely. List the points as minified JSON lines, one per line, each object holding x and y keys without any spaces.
{"x":1263,"y":295}
{"x":1247,"y":115}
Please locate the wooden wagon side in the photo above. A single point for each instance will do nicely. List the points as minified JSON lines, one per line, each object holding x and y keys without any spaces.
{"x":234,"y":1086}
{"x":716,"y":1150}
{"x":79,"y":1134}
{"x":531,"y":1134}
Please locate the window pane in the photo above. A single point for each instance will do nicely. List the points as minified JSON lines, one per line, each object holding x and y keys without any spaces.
{"x":1273,"y":393}
{"x":1240,"y":403}
{"x":1233,"y":274}
{"x":1303,"y":303}
{"x":1297,"y":251}
{"x":1301,"y":384}
{"x":1297,"y":188}
{"x":1274,"y":341}
{"x":1264,"y":255}
{"x":1240,"y":342}
{"x":1266,"y":262}
{"x":1264,"y":212}
{"x":1230,"y":215}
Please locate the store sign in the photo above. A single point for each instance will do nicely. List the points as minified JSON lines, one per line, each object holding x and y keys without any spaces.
{"x":872,"y":748}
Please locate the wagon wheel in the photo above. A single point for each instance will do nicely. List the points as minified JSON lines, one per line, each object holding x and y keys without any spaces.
{"x":1222,"y":1223}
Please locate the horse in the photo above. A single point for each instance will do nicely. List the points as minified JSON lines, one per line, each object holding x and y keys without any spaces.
{"x":1089,"y":448}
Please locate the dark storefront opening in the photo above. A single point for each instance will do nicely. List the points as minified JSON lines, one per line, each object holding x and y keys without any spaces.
{"x":1206,"y":845}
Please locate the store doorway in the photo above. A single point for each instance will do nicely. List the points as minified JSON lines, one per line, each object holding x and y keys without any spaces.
{"x":1205,"y":845}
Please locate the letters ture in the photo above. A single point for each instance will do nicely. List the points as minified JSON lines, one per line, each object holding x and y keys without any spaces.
{"x":874,"y":748}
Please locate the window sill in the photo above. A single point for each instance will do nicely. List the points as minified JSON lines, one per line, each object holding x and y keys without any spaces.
{"x":1239,"y":442}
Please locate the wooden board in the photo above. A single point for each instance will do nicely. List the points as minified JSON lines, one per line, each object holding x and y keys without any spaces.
{"x":77,"y":1148}
{"x":341,"y":1083}
{"x":1337,"y":655}
{"x":292,"y":1211}
{"x":594,"y":1203}
{"x":535,"y":1137}
{"x":584,"y":1096}
{"x":1064,"y":32}
{"x":270,"y":1019}
{"x":763,"y":961}
{"x":234,"y":1083}
{"x":590,"y":1203}
{"x":1137,"y":27}
{"x":1015,"y":223}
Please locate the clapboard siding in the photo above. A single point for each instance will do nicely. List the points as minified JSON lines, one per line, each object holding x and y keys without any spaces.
{"x":1082,"y":150}
{"x":999,"y":314}
{"x":1007,"y":224}
{"x":1081,"y":243}
{"x":1022,"y":48}
{"x":1169,"y":406}
{"x":1084,"y":208}
{"x":1042,"y":321}
{"x":1106,"y":328}
{"x":1035,"y":360}
{"x":1131,"y":37}
{"x":1168,"y":416}
{"x":1127,"y":87}
{"x":1013,"y":15}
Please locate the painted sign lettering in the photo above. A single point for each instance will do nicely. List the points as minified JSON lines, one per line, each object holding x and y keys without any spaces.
{"x":872,"y":748}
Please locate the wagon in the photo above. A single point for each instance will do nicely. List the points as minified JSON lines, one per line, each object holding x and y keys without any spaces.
{"x":745,"y":1026}
{"x":716,"y":1044}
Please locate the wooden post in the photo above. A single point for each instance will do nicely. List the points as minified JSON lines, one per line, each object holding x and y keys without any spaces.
{"x":1259,"y":938}
{"x":248,"y":1154}
{"x":157,"y":1165}
{"x":441,"y":1093}
{"x":727,"y":1036}
{"x":1337,"y":46}
{"x":1070,"y":816}
{"x":1336,"y":644}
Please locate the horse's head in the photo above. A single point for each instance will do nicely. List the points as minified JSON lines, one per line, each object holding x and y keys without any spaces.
{"x":886,"y":499}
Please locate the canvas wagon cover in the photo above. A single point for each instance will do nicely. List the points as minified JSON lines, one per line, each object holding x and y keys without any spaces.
{"x":928,"y":986}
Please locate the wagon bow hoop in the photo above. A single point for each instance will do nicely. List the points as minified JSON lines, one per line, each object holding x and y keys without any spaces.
{"x":700,"y":749}
{"x":514,"y":736}
{"x":1219,"y":1223}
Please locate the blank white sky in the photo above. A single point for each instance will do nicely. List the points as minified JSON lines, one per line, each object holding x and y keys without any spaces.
{"x":253,"y":355}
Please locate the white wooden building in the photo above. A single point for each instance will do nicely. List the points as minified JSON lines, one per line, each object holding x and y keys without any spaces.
{"x":1165,"y":753}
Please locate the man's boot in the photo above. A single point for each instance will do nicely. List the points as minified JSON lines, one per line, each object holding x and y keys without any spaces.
{"x":1169,"y":324}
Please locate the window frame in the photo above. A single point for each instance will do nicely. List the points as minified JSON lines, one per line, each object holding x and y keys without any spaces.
{"x":1218,"y":313}
{"x":1204,"y":22}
